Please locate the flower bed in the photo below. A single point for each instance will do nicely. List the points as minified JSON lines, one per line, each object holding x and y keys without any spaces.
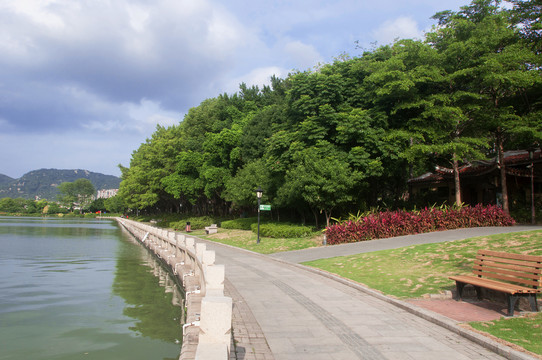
{"x":396,"y":223}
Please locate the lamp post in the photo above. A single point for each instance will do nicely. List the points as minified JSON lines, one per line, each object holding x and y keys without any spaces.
{"x":259,"y":193}
{"x":533,"y":213}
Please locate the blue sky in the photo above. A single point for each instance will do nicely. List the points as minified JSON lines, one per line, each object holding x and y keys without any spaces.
{"x":84,"y":82}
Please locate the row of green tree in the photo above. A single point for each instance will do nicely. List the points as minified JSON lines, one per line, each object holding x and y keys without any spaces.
{"x":46,"y":207}
{"x":77,"y":195}
{"x":348,"y":135}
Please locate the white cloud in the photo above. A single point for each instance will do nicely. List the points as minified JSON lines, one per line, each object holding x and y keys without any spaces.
{"x":147,"y":114}
{"x":258,"y":76}
{"x":400,"y":28}
{"x":304,"y":56}
{"x":38,"y":11}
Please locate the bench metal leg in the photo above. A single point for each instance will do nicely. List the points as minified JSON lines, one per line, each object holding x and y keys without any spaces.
{"x":512,"y":299}
{"x":459,"y":286}
{"x":478,"y":292}
{"x":533,"y":303}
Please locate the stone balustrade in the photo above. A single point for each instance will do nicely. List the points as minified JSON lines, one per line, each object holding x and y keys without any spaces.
{"x":207,"y":332}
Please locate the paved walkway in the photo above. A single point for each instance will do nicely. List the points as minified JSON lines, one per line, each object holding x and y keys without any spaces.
{"x":286,"y":311}
{"x":300,"y":256}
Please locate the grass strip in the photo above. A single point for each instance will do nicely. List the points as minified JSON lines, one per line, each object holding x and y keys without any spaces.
{"x":525,"y":332}
{"x":248,"y":240}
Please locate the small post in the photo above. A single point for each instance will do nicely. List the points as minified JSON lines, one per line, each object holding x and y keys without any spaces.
{"x":259,"y":193}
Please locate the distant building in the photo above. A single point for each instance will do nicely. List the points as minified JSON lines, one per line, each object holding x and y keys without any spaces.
{"x":481,"y":180}
{"x":106,"y":193}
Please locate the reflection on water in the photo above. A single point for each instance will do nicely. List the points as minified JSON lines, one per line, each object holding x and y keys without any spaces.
{"x":136,"y":284}
{"x":78,"y":288}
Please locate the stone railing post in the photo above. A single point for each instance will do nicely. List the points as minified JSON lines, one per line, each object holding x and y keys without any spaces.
{"x":209,"y":310}
{"x":215,"y":328}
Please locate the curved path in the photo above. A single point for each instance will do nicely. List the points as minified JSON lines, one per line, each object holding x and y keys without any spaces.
{"x":287,"y":311}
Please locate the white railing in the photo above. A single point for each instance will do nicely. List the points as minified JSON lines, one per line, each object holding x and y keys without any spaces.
{"x":207,"y":332}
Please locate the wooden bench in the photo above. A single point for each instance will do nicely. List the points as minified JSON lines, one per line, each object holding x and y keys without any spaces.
{"x":213,"y":229}
{"x":513,"y":274}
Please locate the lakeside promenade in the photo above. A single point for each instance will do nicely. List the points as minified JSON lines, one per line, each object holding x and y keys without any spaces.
{"x":283,"y":310}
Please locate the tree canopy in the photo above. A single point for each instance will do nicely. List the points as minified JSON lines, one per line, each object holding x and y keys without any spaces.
{"x":80,"y":191}
{"x":348,"y":135}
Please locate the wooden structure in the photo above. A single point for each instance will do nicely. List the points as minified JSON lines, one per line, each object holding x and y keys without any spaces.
{"x":481,"y":181}
{"x":513,"y":274}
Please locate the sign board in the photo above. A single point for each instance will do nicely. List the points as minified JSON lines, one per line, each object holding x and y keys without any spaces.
{"x":265,"y":207}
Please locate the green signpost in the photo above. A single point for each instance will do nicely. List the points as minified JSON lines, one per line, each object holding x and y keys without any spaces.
{"x":265,"y":207}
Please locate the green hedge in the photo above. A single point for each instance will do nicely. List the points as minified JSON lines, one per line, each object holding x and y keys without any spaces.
{"x":239,"y":224}
{"x":282,"y":230}
{"x":195,"y":223}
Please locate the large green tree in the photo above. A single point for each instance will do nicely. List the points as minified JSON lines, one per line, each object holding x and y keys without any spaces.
{"x":78,"y":192}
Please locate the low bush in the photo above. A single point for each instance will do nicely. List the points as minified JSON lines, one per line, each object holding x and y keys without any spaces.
{"x":195,"y":223}
{"x":239,"y":224}
{"x":396,"y":223}
{"x":282,"y":230}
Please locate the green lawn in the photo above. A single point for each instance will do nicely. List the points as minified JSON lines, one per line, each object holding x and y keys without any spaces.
{"x":413,"y":271}
{"x":524,"y":331}
{"x":248,"y":240}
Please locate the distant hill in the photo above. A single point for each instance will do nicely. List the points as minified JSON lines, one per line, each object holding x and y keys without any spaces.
{"x":44,"y":183}
{"x":5,"y":180}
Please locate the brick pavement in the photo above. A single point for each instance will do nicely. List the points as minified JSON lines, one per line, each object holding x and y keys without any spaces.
{"x":248,"y":339}
{"x":463,"y":311}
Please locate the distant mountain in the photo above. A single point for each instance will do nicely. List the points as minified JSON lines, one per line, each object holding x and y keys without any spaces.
{"x":5,"y":180}
{"x":44,"y":182}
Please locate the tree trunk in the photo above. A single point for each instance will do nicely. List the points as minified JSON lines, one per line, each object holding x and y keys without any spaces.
{"x":457,"y":182}
{"x":504,"y":185}
{"x":315,"y":217}
{"x":328,"y":217}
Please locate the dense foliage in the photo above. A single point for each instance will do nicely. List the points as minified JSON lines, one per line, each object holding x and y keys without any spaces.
{"x":397,"y":223}
{"x":78,"y":193}
{"x":284,"y":231}
{"x":348,"y":135}
{"x":239,"y":224}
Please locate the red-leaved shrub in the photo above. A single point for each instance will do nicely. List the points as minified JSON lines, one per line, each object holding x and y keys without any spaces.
{"x":396,"y":223}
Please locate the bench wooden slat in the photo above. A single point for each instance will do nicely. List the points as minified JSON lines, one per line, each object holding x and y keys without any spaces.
{"x":505,"y":261}
{"x":530,"y":270}
{"x":522,"y":275}
{"x":494,"y":285}
{"x":515,"y":280}
{"x":516,"y":275}
{"x":505,"y":255}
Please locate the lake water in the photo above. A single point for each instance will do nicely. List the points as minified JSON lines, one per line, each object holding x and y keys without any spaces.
{"x":83,"y":289}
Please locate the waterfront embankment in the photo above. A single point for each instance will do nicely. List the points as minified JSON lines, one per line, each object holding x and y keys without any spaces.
{"x":207,"y":332}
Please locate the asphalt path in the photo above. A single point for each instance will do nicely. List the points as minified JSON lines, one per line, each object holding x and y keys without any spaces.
{"x":300,"y":256}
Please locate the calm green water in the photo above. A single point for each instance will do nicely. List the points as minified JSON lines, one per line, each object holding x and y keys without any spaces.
{"x":82,"y":289}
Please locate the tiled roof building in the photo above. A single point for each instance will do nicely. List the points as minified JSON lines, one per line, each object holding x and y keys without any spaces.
{"x":480,"y":180}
